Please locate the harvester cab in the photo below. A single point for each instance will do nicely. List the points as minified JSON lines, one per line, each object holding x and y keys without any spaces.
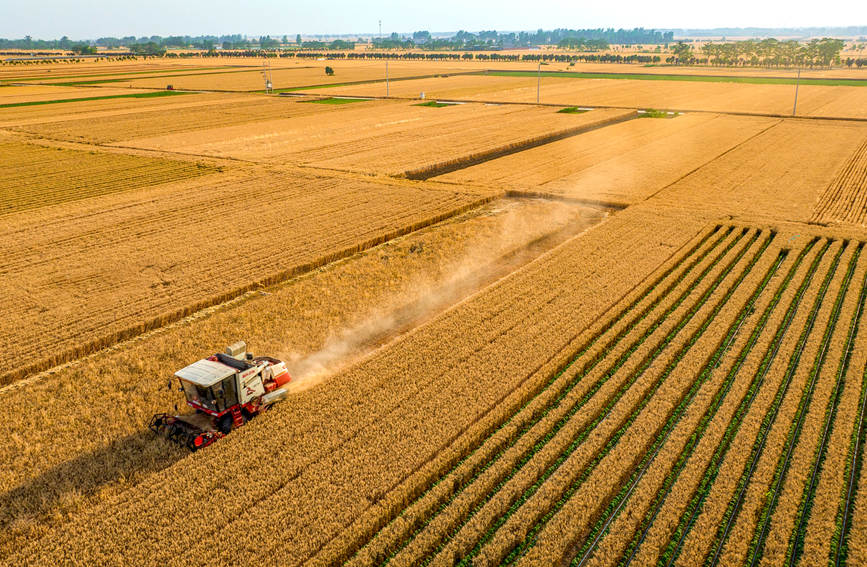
{"x":225,"y":391}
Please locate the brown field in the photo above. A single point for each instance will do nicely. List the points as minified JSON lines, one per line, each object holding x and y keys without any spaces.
{"x":844,"y":199}
{"x":834,"y":101}
{"x":34,"y":176}
{"x":610,"y":164}
{"x":64,"y":263}
{"x":518,"y":336}
{"x":374,"y":136}
{"x":17,"y":95}
{"x":23,"y":115}
{"x":107,"y":127}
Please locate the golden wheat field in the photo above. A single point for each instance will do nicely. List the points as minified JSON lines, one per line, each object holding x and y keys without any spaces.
{"x":577,"y":332}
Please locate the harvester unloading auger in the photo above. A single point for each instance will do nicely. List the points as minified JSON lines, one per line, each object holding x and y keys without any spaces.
{"x":226,"y":390}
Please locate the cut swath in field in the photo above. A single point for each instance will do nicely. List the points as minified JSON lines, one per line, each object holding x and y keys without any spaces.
{"x":329,"y":219}
{"x":845,"y":199}
{"x":33,"y":176}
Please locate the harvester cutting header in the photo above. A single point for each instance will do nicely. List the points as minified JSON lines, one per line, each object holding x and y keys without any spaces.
{"x":226,"y":390}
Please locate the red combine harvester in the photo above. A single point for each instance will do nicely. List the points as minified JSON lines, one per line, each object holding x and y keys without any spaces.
{"x":226,"y":391}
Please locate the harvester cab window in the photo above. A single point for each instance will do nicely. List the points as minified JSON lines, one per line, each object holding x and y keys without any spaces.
{"x":200,"y":395}
{"x":225,"y":393}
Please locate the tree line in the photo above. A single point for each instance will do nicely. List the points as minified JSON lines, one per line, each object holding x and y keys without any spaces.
{"x":766,"y":53}
{"x":594,"y":39}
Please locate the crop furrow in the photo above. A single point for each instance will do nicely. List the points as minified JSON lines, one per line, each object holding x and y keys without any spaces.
{"x":840,"y":539}
{"x":796,"y":541}
{"x":529,"y":539}
{"x":701,"y":492}
{"x":757,"y":545}
{"x":734,"y":507}
{"x":600,"y":530}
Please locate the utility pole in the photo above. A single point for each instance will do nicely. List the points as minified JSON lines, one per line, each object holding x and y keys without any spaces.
{"x":380,"y":29}
{"x":797,"y":83}
{"x":539,"y":80}
{"x":386,"y":78}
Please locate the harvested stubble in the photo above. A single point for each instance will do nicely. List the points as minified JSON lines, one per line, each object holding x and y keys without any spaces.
{"x":30,"y":115}
{"x":160,"y":121}
{"x":301,"y":73}
{"x":777,"y":173}
{"x":845,"y":199}
{"x":384,"y":137}
{"x":176,"y":243}
{"x":833,"y":101}
{"x":620,"y":163}
{"x":18,"y":95}
{"x":317,"y":439}
{"x":81,"y":470}
{"x":33,"y":176}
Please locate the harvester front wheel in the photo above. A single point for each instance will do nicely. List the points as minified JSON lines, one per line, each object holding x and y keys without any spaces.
{"x":224,"y":424}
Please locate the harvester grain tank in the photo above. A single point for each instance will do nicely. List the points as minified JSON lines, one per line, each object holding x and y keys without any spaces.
{"x":225,"y":391}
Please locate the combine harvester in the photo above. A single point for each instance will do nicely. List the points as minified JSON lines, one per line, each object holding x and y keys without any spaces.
{"x":226,"y":391}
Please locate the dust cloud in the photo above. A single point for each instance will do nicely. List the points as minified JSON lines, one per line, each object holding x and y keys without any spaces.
{"x":510,"y":234}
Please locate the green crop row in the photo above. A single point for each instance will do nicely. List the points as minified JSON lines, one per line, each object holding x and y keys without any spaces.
{"x":617,"y":504}
{"x":796,"y":541}
{"x":854,"y":462}
{"x":533,"y":419}
{"x":770,"y":416}
{"x":708,"y":416}
{"x":529,"y":540}
{"x":672,"y":550}
{"x":756,"y":548}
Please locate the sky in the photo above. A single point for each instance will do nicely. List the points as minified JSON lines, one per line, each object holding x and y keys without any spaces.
{"x":49,"y":19}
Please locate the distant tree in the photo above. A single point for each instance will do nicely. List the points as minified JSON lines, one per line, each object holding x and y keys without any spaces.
{"x":84,"y":49}
{"x":298,"y":39}
{"x":682,"y":52}
{"x":329,"y":71}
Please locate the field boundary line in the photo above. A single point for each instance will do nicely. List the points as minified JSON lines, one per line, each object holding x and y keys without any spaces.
{"x":597,"y":106}
{"x":442,"y":168}
{"x":711,"y":160}
{"x":164,"y":319}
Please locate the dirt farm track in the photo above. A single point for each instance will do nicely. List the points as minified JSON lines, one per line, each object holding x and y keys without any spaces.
{"x":531,"y":320}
